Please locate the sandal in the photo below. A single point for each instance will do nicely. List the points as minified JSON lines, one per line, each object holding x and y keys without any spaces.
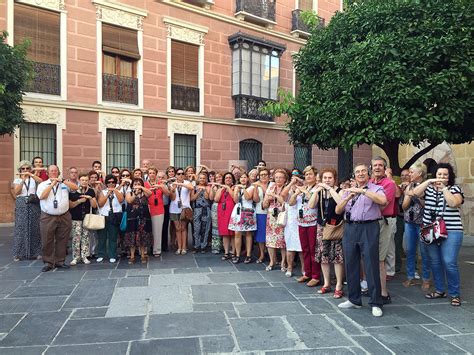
{"x":338,"y":294}
{"x":236,"y":260}
{"x":269,"y":268}
{"x":455,"y":301}
{"x":259,"y":261}
{"x":324,"y":289}
{"x":131,"y":261}
{"x":436,"y":294}
{"x":226,"y":257}
{"x":409,"y":283}
{"x":248,"y":260}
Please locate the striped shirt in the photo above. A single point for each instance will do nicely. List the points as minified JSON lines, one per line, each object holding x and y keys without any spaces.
{"x":434,"y":202}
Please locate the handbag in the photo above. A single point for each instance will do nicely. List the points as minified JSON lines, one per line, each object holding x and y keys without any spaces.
{"x":123,"y":222}
{"x":32,"y":199}
{"x":333,"y":232}
{"x":282,"y":217}
{"x":93,"y":221}
{"x":186,"y":214}
{"x":435,"y":231}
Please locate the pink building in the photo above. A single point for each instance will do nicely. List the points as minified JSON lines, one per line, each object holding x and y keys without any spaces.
{"x":176,"y":82}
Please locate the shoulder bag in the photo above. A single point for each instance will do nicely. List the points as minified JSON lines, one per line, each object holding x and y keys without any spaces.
{"x":93,"y":221}
{"x":330,"y":231}
{"x":435,"y":231}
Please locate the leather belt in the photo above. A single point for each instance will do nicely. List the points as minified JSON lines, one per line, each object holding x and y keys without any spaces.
{"x":362,"y":222}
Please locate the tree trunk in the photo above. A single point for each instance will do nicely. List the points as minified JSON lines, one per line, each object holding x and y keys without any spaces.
{"x":391,"y":150}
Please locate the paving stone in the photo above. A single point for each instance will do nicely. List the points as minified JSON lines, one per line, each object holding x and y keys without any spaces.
{"x":233,"y":278}
{"x":266,"y":294}
{"x":371,"y":345}
{"x":86,"y":331}
{"x":193,"y":270}
{"x":23,"y":350}
{"x":174,"y":264}
{"x":41,"y":291}
{"x":440,"y":329}
{"x":215,"y":293}
{"x":262,"y":334}
{"x":217,"y":345}
{"x":134,"y":281}
{"x":335,"y":351}
{"x":117,"y":274}
{"x":36,"y":329}
{"x":82,"y":313}
{"x":318,"y":305}
{"x":96,"y":274}
{"x":300,"y":288}
{"x":171,"y":299}
{"x":249,"y":267}
{"x":166,"y":346}
{"x":92,"y":293}
{"x":270,"y":309}
{"x":180,"y":279}
{"x":32,"y":304}
{"x":187,"y":325}
{"x":223,"y":268}
{"x":212,"y":307}
{"x":253,"y":284}
{"x":231,"y":314}
{"x":211,"y":260}
{"x":129,"y":301}
{"x":23,"y":273}
{"x":57,"y":278}
{"x":7,"y":321}
{"x":349,"y":326}
{"x":456,"y":318}
{"x":110,"y":348}
{"x":9,"y":286}
{"x":276,"y":276}
{"x":147,"y":272}
{"x":464,"y":341}
{"x":413,"y":337}
{"x":326,"y":336}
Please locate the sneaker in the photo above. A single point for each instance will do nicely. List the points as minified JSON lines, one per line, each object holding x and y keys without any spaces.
{"x":417,"y":276}
{"x":215,"y":252}
{"x":99,"y":260}
{"x":112,"y":260}
{"x":387,"y":299}
{"x":288,"y":274}
{"x":178,"y":252}
{"x":74,"y":262}
{"x":86,"y":261}
{"x":348,"y":304}
{"x":377,"y":311}
{"x":364,"y":285}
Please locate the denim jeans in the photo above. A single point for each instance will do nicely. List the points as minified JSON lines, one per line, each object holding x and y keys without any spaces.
{"x":444,"y":262}
{"x":412,"y":241}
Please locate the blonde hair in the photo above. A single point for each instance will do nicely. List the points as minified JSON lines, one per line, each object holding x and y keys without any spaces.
{"x":26,"y":163}
{"x":419,"y":167}
{"x":310,"y":168}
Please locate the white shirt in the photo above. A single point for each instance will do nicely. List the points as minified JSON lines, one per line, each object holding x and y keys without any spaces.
{"x":247,"y":203}
{"x":24,"y":191}
{"x":261,"y":195}
{"x":62,"y":198}
{"x":184,"y":199}
{"x":116,"y":205}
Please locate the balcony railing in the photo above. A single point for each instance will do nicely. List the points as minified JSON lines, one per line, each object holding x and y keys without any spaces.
{"x":250,"y":107}
{"x":184,"y":98}
{"x":299,"y":27}
{"x":121,"y":89}
{"x":47,"y":79}
{"x":257,"y":11}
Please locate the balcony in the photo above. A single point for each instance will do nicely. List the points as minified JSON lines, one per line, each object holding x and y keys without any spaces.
{"x":260,"y":12}
{"x":121,"y":89}
{"x":184,"y":98}
{"x":207,"y":4}
{"x":250,"y":107}
{"x":47,"y":79}
{"x":298,"y":27}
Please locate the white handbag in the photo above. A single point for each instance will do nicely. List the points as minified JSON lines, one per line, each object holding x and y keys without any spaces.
{"x":93,"y":221}
{"x":282,"y":217}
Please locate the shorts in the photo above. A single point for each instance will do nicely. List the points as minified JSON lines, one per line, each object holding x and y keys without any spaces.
{"x":386,"y":231}
{"x":175,"y":217}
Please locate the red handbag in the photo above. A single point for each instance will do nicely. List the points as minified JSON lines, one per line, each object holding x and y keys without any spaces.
{"x":434,"y":232}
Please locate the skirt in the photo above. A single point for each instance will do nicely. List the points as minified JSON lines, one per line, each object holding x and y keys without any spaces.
{"x":328,"y":251}
{"x":26,"y":234}
{"x":138,"y":238}
{"x":243,"y":219}
{"x":275,"y":237}
{"x":260,"y":235}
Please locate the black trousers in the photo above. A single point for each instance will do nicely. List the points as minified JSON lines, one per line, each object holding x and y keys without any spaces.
{"x":362,"y":241}
{"x":164,"y":233}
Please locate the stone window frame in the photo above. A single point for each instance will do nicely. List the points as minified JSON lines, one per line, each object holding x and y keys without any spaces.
{"x":185,"y":127}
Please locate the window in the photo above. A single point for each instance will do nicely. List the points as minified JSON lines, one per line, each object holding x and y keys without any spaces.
{"x":42,"y":28}
{"x":255,"y":74}
{"x":184,"y":150}
{"x":38,"y":139}
{"x":120,"y":148}
{"x":251,"y":151}
{"x":302,"y":156}
{"x":184,"y":76}
{"x":120,"y":57}
{"x":305,"y":5}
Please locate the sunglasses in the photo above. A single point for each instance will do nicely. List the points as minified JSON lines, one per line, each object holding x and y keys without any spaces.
{"x":125,"y":175}
{"x":110,"y":182}
{"x":179,"y":173}
{"x":264,"y":174}
{"x":115,"y":172}
{"x":25,"y":168}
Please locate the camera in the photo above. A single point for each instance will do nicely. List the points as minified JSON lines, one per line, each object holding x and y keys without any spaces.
{"x":238,"y":210}
{"x":411,"y":216}
{"x":323,"y":222}
{"x":55,"y":203}
{"x":155,"y":201}
{"x":180,"y":205}
{"x":300,"y":213}
{"x":275,"y":212}
{"x":348,"y":216}
{"x":223,"y":206}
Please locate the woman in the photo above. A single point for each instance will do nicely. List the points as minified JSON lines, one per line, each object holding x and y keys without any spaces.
{"x":253,"y":176}
{"x":180,"y":199}
{"x":307,"y":220}
{"x":168,"y":229}
{"x":139,"y":231}
{"x":258,"y":194}
{"x":292,"y":236}
{"x":224,"y":198}
{"x":156,"y":184}
{"x":110,"y":203}
{"x":329,"y":251}
{"x":274,"y":201}
{"x":115,"y":172}
{"x":26,"y":234}
{"x":124,"y":182}
{"x":38,"y":168}
{"x":413,"y":216}
{"x":216,"y":241}
{"x":96,"y":185}
{"x":137,"y":173}
{"x":243,"y":219}
{"x":443,"y":198}
{"x":80,"y":203}
{"x":202,"y":213}
{"x":190,"y":175}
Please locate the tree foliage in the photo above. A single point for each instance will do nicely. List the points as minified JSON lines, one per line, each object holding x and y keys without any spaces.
{"x":386,"y":73}
{"x":15,"y":72}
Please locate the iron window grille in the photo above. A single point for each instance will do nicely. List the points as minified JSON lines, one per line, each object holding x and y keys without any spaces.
{"x":302,"y":156}
{"x":260,"y":8}
{"x":251,"y":151}
{"x":120,"y":148}
{"x":184,"y":150}
{"x":38,"y":139}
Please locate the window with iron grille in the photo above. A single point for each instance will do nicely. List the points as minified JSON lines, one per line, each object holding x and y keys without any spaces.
{"x":184,"y":76}
{"x":184,"y":150}
{"x":38,"y":139}
{"x":42,"y":28}
{"x":251,"y":151}
{"x":120,"y":149}
{"x":302,"y":156}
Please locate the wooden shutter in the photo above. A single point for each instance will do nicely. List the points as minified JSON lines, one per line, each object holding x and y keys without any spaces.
{"x":42,"y":28}
{"x":306,"y":5}
{"x":120,"y":41}
{"x":184,"y":64}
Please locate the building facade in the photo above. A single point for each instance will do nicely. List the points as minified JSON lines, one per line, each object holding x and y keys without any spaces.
{"x":175,"y":82}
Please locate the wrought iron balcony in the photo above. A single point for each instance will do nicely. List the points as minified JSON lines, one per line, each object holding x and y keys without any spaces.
{"x":47,"y":79}
{"x":261,"y":12}
{"x":250,"y":107}
{"x":298,"y":27}
{"x":121,"y":89}
{"x":184,"y":98}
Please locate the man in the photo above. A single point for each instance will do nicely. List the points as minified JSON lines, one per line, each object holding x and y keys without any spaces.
{"x":361,"y":207}
{"x":73,"y":175}
{"x":55,"y":221}
{"x":145,"y":165}
{"x":388,"y":225}
{"x":97,"y":167}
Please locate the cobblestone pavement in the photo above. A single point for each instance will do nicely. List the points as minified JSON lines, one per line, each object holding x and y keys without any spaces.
{"x":199,"y":304}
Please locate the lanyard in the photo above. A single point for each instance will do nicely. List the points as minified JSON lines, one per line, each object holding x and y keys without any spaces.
{"x":27,"y":186}
{"x":55,"y":191}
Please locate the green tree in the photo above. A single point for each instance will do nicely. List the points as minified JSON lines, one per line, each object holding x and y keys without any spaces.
{"x":15,"y":72}
{"x":386,"y":73}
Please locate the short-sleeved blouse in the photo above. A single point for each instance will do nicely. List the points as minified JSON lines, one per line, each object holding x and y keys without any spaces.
{"x":155,"y":201}
{"x":434,"y":202}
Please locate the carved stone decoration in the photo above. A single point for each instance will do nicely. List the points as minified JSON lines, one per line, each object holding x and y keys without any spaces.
{"x":56,"y":5}
{"x":118,"y":17}
{"x":185,"y":34}
{"x":37,"y":114}
{"x":117,"y":121}
{"x":184,"y":127}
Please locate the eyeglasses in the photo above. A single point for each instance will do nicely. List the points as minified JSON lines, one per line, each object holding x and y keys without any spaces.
{"x":25,"y":168}
{"x":110,"y":182}
{"x":264,"y":174}
{"x":179,"y":173}
{"x":115,"y":172}
{"x":125,"y":175}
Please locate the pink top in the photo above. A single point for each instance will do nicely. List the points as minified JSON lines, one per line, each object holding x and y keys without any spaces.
{"x":224,"y":211}
{"x":390,"y":189}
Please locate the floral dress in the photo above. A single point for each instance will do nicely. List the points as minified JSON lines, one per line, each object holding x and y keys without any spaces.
{"x":139,"y":232}
{"x":243,"y":218}
{"x":275,"y":237}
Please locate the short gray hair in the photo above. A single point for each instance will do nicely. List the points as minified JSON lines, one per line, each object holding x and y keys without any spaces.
{"x":23,"y":163}
{"x":419,"y":167}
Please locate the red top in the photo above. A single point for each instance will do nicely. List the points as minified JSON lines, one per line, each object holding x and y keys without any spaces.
{"x":390,"y":189}
{"x":155,"y":210}
{"x":43,"y":175}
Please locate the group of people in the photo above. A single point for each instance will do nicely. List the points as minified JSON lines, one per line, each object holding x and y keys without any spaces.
{"x":350,"y":224}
